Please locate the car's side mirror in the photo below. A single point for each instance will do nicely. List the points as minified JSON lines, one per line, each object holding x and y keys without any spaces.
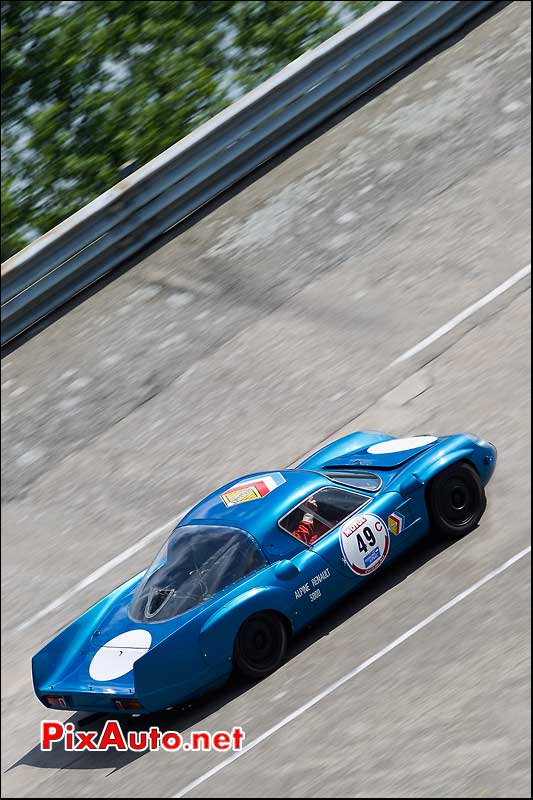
{"x":285,"y":570}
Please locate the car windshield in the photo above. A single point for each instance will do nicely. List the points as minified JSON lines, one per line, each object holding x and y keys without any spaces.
{"x":196,"y":562}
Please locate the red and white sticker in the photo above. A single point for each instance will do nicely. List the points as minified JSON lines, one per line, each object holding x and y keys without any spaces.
{"x":364,"y":541}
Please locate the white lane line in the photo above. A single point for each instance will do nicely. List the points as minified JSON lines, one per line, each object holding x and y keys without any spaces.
{"x":372,"y":660}
{"x":94,"y":576}
{"x":467,"y":312}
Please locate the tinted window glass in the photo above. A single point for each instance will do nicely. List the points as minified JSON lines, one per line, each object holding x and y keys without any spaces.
{"x":196,"y":562}
{"x":321,"y":512}
{"x":359,"y":480}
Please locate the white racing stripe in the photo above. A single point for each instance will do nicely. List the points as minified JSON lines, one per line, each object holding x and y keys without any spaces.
{"x":449,"y":326}
{"x":372,"y":660}
{"x":94,"y":576}
{"x":105,"y":568}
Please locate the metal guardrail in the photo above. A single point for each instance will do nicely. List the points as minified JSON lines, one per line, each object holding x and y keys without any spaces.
{"x":123,"y":220}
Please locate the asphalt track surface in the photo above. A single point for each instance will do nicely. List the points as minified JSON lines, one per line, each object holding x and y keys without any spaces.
{"x":274,"y":323}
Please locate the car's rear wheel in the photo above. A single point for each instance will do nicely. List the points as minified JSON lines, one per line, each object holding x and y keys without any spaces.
{"x":260,"y":645}
{"x":456,"y":501}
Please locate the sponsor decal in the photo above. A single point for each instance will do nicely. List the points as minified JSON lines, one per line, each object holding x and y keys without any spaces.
{"x":302,"y":590}
{"x":236,"y":496}
{"x":364,"y":543}
{"x":353,"y":525}
{"x":371,"y":557}
{"x":253,"y":489}
{"x":309,"y":588}
{"x":395,"y":523}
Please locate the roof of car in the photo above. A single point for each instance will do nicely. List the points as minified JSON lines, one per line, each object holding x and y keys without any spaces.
{"x":255,"y":503}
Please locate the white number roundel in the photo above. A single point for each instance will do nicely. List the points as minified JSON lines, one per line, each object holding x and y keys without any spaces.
{"x":364,"y":541}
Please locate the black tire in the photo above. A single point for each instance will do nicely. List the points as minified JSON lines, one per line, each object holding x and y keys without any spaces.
{"x":456,"y":501}
{"x":260,"y":645}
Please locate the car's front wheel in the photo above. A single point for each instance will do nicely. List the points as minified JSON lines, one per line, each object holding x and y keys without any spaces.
{"x":456,"y":500}
{"x":260,"y":645}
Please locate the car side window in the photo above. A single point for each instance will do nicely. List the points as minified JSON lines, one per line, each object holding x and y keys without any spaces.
{"x":359,"y":480}
{"x":320,"y":512}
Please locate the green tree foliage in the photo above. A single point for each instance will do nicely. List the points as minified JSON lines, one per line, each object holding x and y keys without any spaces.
{"x":88,"y":85}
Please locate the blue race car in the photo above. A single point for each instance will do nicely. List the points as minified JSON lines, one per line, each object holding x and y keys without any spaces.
{"x":255,"y":562}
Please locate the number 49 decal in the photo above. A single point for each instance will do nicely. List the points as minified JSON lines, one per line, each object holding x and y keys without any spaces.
{"x":370,"y":540}
{"x":364,"y":542}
